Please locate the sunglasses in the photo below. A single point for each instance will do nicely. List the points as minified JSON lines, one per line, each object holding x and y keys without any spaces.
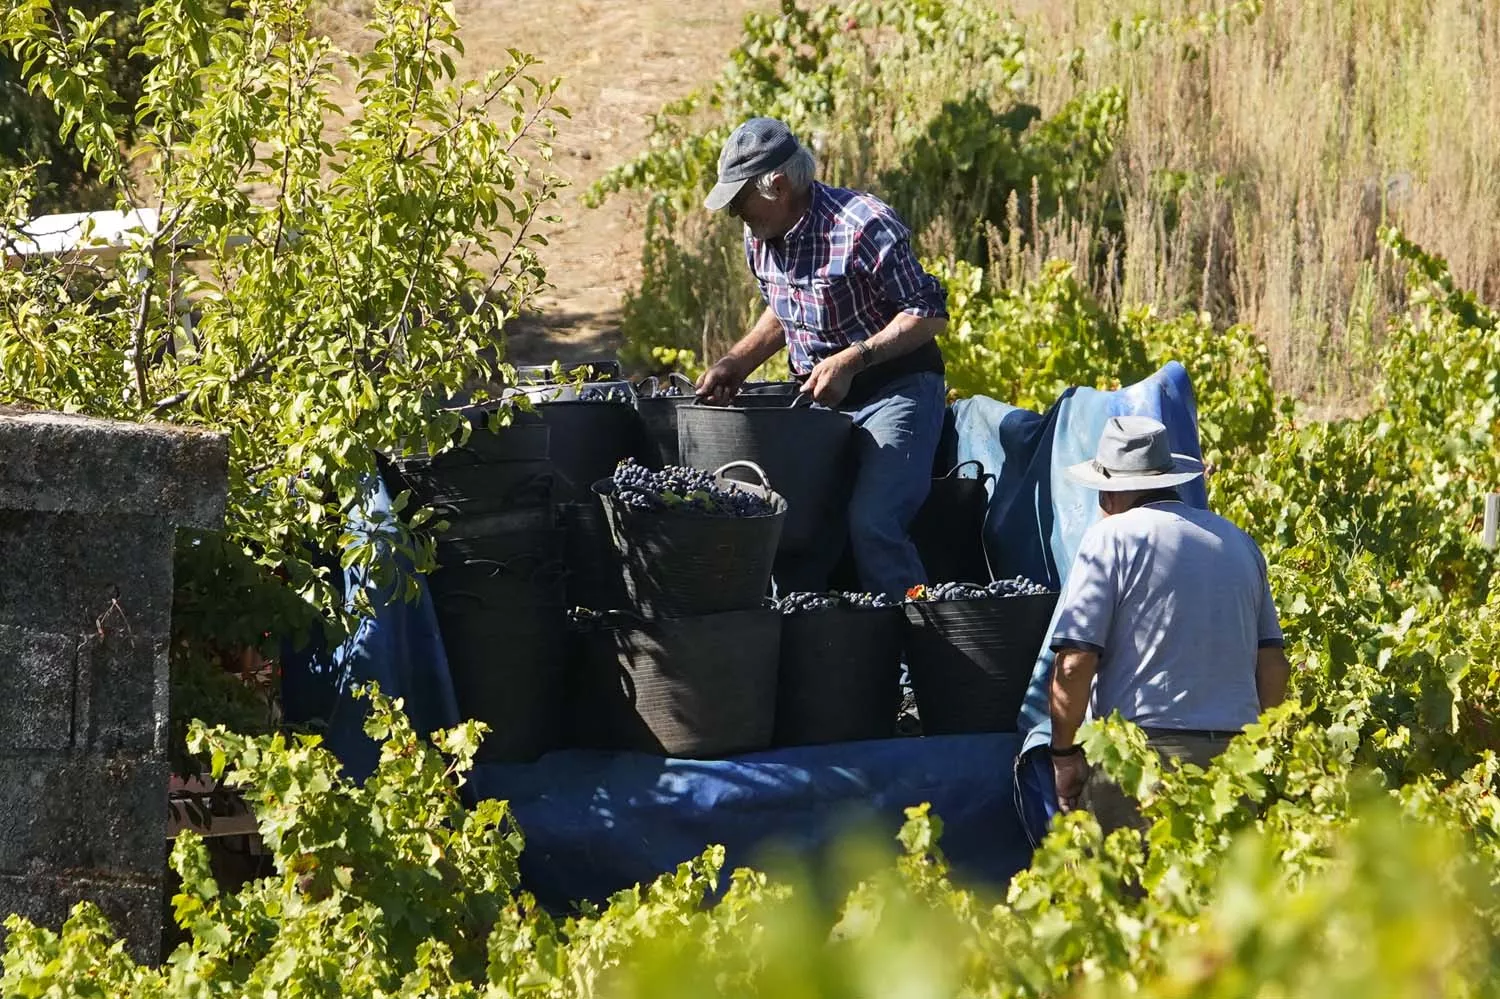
{"x":736,"y":204}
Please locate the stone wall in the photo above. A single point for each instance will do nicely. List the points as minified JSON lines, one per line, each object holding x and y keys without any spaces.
{"x":88,"y":515}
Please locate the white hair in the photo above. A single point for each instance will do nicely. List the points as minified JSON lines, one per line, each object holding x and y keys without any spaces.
{"x":798,"y":170}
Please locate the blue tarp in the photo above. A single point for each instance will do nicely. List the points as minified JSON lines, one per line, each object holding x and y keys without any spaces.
{"x":598,"y":822}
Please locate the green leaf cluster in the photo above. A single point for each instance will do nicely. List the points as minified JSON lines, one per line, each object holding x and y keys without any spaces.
{"x":329,"y":247}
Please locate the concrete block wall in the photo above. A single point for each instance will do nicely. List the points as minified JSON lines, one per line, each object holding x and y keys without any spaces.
{"x":89,"y":511}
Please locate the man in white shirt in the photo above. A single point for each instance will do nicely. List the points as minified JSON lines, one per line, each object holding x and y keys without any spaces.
{"x":1167,"y":617}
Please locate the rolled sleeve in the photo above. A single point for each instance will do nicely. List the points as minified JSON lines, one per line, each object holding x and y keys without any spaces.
{"x":1088,"y":601}
{"x":884,"y":251}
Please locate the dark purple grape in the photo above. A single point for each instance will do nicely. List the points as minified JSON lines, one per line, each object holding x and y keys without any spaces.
{"x":1018,"y":586}
{"x":683,"y":489}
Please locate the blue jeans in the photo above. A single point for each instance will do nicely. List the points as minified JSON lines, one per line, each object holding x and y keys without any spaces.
{"x":895,"y":440}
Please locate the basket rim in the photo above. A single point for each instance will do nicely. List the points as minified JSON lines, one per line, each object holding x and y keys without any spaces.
{"x":898,"y":608}
{"x":801,"y":411}
{"x":920,"y":605}
{"x":777,"y":501}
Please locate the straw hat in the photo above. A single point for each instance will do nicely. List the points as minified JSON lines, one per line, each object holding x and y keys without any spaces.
{"x":1133,"y":455}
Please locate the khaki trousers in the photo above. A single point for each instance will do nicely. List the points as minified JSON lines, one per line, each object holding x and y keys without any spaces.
{"x":1113,"y":809}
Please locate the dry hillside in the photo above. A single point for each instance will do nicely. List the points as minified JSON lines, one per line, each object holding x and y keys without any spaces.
{"x":619,"y":60}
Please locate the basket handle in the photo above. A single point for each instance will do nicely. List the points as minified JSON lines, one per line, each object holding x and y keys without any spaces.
{"x":612,"y":616}
{"x":797,"y":399}
{"x":765,"y":480}
{"x":541,"y":563}
{"x":673,"y":377}
{"x":953,"y":472}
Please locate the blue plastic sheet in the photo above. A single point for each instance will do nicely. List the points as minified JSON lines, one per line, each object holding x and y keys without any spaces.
{"x":599,"y":822}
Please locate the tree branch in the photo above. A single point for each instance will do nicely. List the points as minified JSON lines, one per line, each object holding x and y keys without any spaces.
{"x":515,"y":243}
{"x":475,"y":111}
{"x":138,"y":339}
{"x":242,"y":376}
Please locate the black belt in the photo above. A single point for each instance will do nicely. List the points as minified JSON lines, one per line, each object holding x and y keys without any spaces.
{"x":1200,"y":733}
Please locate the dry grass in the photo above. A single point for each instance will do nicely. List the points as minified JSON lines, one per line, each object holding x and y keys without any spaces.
{"x":1294,"y":136}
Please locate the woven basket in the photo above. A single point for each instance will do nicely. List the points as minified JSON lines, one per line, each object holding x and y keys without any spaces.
{"x":694,"y":687}
{"x":840,"y":675}
{"x":680,"y":564}
{"x":971,"y":660}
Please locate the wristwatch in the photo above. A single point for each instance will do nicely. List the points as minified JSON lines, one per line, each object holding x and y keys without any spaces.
{"x":864,"y":353}
{"x":1072,"y":750}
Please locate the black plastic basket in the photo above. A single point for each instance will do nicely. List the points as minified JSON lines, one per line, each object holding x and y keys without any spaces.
{"x":693,"y":687}
{"x":524,"y":438}
{"x":596,"y":577}
{"x":494,"y":471}
{"x":514,"y":679}
{"x":659,"y":416}
{"x":971,"y":660}
{"x":840,"y":675}
{"x":948,"y":529}
{"x":679,"y":564}
{"x":500,"y":570}
{"x":808,"y":452}
{"x":476,"y":489}
{"x":588,"y":440}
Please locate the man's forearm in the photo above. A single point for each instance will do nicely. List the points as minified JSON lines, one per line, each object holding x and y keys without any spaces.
{"x":901,"y":335}
{"x":1271,"y":674}
{"x":1072,"y":681}
{"x":759,"y":345}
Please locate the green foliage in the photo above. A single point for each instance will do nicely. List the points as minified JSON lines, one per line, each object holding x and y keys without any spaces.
{"x":30,"y":126}
{"x":1345,"y":844}
{"x":315,"y":297}
{"x":1027,"y":346}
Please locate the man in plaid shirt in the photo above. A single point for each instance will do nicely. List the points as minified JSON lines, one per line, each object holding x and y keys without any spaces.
{"x":858,"y":314}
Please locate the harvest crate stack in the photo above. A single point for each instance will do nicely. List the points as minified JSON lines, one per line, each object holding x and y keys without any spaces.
{"x":594,"y":593}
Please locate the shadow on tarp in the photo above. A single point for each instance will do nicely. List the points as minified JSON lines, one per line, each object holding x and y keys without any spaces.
{"x":599,"y":822}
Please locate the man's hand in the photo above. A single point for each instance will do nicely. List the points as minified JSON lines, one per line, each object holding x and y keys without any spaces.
{"x":1069,"y":774}
{"x":829,"y":382}
{"x":718,"y":384}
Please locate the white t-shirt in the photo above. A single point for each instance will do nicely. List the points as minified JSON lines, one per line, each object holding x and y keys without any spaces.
{"x":1176,"y":602}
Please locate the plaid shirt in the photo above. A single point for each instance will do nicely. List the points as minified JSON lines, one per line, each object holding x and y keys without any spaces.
{"x":840,"y":275}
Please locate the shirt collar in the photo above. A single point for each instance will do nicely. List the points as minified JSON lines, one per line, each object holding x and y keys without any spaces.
{"x":807,"y":224}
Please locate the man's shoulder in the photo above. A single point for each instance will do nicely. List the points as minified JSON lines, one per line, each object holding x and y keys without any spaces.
{"x":859,"y":209}
{"x":1178,"y":514}
{"x":1183,"y":517}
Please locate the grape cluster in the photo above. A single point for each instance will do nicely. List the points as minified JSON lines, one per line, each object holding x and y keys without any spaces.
{"x":608,"y":392}
{"x":678,"y":488}
{"x":1018,"y":586}
{"x":802,"y":603}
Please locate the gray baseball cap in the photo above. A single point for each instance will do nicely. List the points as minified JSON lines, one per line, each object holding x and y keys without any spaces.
{"x":757,"y":147}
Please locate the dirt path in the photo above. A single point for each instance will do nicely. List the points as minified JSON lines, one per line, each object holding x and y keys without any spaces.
{"x":620,"y":60}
